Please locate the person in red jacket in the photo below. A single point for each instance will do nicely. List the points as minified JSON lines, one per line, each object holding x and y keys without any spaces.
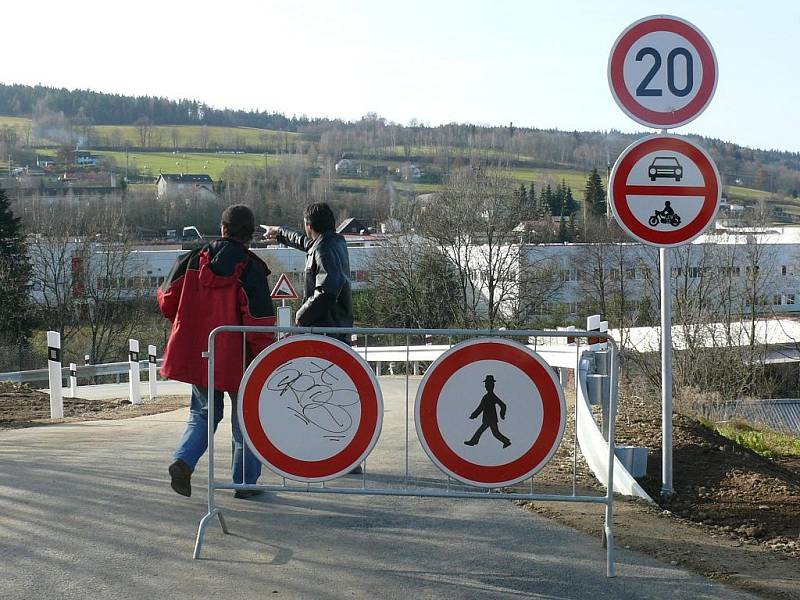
{"x":221,"y":283}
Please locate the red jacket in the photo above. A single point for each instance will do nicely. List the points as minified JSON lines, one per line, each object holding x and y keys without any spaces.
{"x":222,"y":283}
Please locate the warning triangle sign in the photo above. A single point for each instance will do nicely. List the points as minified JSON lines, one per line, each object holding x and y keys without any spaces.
{"x":283,"y":289}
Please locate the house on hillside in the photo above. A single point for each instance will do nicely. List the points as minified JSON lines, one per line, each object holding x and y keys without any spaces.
{"x":352,"y":226}
{"x":84,"y":157}
{"x":184,"y":186}
{"x":409,"y":172}
{"x":345,"y":167}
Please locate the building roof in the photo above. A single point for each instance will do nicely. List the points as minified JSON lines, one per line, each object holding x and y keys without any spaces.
{"x":186,"y":177}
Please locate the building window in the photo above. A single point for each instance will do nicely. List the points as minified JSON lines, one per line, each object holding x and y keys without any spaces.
{"x":695,"y":272}
{"x":789,"y":298}
{"x":776,"y":299}
{"x":784,"y":270}
{"x":630,"y":273}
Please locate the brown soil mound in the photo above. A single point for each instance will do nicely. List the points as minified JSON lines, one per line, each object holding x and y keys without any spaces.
{"x":23,"y":406}
{"x":716,"y":481}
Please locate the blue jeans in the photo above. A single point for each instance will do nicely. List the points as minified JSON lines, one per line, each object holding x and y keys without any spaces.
{"x":194,"y":442}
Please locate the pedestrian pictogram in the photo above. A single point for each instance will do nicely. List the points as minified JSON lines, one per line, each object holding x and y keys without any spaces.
{"x":283,"y":290}
{"x":664,"y":190}
{"x":517,"y":398}
{"x":310,"y":408}
{"x":662,"y":71}
{"x":488,"y":411}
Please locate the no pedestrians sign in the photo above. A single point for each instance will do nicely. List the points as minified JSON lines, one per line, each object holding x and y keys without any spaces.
{"x":490,"y":412}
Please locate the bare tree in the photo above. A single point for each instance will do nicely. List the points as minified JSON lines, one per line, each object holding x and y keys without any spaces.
{"x":144,"y":128}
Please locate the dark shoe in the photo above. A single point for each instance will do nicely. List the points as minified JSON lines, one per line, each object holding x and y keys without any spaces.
{"x":245,"y":494}
{"x":356,"y":471}
{"x":470,"y":443}
{"x":181,"y":476}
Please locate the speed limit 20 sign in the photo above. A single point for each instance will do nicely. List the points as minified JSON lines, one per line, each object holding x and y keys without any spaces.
{"x":662,"y":71}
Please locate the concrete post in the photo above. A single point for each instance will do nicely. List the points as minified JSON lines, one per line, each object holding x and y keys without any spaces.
{"x":134,"y":392}
{"x":152,"y":371}
{"x":54,"y":372}
{"x":73,"y":380}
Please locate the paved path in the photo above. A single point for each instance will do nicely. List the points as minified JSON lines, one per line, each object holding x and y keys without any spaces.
{"x":86,"y":512}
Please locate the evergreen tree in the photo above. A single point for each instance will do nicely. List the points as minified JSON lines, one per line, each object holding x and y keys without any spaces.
{"x":570,"y":204}
{"x":594,"y":195}
{"x":549,"y":201}
{"x":16,"y":315}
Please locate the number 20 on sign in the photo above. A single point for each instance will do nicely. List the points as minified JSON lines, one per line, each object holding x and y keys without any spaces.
{"x":662,"y":72}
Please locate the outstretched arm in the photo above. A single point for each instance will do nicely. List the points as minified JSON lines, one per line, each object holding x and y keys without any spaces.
{"x":288,"y":237}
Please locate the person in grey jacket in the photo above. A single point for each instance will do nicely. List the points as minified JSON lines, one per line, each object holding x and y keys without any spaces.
{"x":327,"y":298}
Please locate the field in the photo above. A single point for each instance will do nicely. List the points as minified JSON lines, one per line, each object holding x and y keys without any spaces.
{"x":213,"y":164}
{"x":175,"y":135}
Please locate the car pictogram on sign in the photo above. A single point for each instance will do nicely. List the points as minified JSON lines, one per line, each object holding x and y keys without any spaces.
{"x":665,"y":167}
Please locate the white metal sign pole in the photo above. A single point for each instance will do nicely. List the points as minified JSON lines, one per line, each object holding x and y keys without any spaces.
{"x":152,"y":373}
{"x":133,"y":365}
{"x":666,"y":373}
{"x":54,"y":372}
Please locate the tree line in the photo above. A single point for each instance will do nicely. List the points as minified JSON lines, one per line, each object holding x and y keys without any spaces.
{"x":373,"y":137}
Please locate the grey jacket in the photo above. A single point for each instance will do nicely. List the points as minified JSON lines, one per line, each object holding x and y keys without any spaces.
{"x":327,"y":299}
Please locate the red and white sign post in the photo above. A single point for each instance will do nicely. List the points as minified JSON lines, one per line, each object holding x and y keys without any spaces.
{"x":490,"y":412}
{"x":663,"y":190}
{"x":310,"y":408}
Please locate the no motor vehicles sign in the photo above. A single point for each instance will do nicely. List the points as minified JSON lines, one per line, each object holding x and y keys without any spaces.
{"x":662,"y":71}
{"x":664,"y":190}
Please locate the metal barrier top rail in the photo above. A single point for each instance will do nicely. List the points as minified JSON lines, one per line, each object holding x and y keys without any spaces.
{"x":404,"y":488}
{"x":113,"y":368}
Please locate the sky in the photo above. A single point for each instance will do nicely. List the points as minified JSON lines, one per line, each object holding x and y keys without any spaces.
{"x":535,"y":63}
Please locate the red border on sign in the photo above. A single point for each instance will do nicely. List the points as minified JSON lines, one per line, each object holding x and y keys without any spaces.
{"x":350,"y":364}
{"x":620,"y":190}
{"x":492,"y":474}
{"x":707,"y":85}
{"x":275,"y":295}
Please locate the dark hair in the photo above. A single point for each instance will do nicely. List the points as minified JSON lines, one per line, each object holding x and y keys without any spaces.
{"x":320,"y":217}
{"x":239,"y":222}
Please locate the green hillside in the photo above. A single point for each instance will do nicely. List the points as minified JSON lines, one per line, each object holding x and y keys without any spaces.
{"x":214,"y":163}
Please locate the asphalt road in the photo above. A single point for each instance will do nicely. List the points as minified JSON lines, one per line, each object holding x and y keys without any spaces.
{"x":86,"y":511}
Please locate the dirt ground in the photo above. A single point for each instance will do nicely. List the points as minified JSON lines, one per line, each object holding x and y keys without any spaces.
{"x":734,"y":516}
{"x":22,"y":406}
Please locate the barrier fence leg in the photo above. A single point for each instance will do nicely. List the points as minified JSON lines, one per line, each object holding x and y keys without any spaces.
{"x":152,"y":372}
{"x":73,"y":380}
{"x":133,"y":379}
{"x":54,"y":373}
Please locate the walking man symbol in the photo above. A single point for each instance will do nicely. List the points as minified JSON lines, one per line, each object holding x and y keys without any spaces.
{"x":489,"y":419}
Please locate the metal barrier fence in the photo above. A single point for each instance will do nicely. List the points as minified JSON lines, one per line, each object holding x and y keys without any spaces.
{"x":403,"y":483}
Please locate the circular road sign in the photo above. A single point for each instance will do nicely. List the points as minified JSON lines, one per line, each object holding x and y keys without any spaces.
{"x":662,"y":71}
{"x":490,"y":412}
{"x":310,"y":408}
{"x":664,"y":190}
